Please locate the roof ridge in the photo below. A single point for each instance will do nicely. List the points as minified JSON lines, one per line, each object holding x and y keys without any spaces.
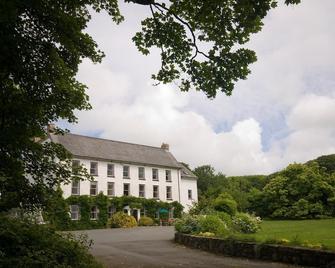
{"x":96,"y":138}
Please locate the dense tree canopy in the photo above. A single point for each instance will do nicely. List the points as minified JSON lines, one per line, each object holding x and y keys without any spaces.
{"x":42,"y":43}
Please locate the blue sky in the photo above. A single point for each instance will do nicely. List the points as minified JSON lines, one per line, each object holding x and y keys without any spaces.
{"x":284,"y":112}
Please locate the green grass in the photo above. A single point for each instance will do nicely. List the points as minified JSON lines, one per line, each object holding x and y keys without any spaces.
{"x":312,"y":232}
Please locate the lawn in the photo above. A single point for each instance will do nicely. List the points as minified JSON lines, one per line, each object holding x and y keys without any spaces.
{"x":310,"y":231}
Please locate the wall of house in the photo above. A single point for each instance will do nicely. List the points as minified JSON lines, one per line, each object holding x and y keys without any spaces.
{"x":186,"y":185}
{"x":133,"y":180}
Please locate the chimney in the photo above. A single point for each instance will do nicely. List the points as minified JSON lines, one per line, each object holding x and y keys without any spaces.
{"x":51,"y":128}
{"x":165,"y":146}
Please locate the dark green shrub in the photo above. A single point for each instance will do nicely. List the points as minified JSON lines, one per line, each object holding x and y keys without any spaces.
{"x":122,"y":220}
{"x":145,"y":221}
{"x":187,"y":224}
{"x":23,"y":244}
{"x":246,"y":223}
{"x":225,"y":203}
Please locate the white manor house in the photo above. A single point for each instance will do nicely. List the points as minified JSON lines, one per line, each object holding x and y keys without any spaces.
{"x":122,"y":168}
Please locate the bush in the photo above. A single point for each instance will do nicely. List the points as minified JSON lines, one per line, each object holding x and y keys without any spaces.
{"x":212,"y":224}
{"x":246,"y":223}
{"x":225,"y":203}
{"x":187,"y":224}
{"x":122,"y":220}
{"x":146,"y":221}
{"x":23,"y":244}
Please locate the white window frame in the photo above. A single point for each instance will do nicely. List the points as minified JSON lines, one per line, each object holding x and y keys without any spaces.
{"x":110,"y":171}
{"x":92,"y":183}
{"x":126,"y":171}
{"x":128,"y":184}
{"x":94,"y":171}
{"x":143,"y":173}
{"x":168,"y":192}
{"x":141,"y":193}
{"x":75,"y":164}
{"x":168,"y":176}
{"x":75,"y":187}
{"x":189,"y":194}
{"x":155,"y":174}
{"x":94,"y":214}
{"x":157,"y":192}
{"x":74,"y":212}
{"x":111,"y":191}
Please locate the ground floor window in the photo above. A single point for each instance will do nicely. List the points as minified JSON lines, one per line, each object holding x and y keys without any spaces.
{"x":110,"y":189}
{"x":141,"y":192}
{"x":74,"y":211}
{"x":168,"y":192}
{"x":94,"y":188}
{"x":142,"y":212}
{"x":94,"y":213}
{"x":190,"y":194}
{"x":155,"y":192}
{"x":111,"y":211}
{"x":126,"y":189}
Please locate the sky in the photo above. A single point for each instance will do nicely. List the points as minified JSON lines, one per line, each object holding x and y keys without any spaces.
{"x":283,"y":112}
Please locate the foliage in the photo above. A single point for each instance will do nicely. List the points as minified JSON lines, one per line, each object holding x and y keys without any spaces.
{"x":122,"y":220}
{"x":187,"y":224}
{"x":212,"y":224}
{"x":325,"y":161}
{"x":57,"y":211}
{"x":145,"y":221}
{"x":298,"y":192}
{"x":246,"y":223}
{"x":23,"y":244}
{"x":225,"y":203}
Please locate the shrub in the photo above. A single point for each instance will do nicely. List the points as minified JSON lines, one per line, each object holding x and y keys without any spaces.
{"x":212,"y":224}
{"x":146,"y":221}
{"x":225,"y":217}
{"x":225,"y":203}
{"x":246,"y":223}
{"x":122,"y":220}
{"x":187,"y":224}
{"x":23,"y":244}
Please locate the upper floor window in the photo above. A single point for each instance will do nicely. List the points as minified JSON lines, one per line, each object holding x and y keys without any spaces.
{"x":110,"y":170}
{"x":141,"y":174}
{"x":94,"y":188}
{"x":110,"y":189}
{"x":75,"y":166}
{"x":168,"y":175}
{"x":94,"y":169}
{"x":141,"y":190}
{"x":155,"y":192}
{"x":126,"y":189}
{"x":189,"y":194}
{"x":126,"y":172}
{"x":94,"y":213}
{"x":155,"y":174}
{"x":75,"y":187}
{"x":168,"y":192}
{"x":74,"y":211}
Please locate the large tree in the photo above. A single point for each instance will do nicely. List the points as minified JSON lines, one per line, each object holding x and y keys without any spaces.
{"x":42,"y":43}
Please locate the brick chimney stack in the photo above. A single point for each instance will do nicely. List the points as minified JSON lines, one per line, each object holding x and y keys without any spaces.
{"x":165,"y":146}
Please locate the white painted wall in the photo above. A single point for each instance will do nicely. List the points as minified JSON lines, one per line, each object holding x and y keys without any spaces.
{"x":188,"y":184}
{"x":134,"y":181}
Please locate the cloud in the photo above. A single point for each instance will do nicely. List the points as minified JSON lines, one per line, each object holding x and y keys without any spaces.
{"x":283,"y":112}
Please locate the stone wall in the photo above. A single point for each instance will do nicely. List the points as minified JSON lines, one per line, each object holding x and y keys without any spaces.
{"x":251,"y":250}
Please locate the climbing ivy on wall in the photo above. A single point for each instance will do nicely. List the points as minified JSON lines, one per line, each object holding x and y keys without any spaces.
{"x":57,"y":212}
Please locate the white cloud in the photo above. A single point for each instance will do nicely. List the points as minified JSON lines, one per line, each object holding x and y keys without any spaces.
{"x":287,"y":102}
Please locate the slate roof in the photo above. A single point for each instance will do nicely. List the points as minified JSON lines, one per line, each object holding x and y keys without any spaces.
{"x":186,"y":172}
{"x":103,"y":149}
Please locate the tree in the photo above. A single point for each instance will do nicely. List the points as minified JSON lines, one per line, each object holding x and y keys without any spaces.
{"x":43,"y":42}
{"x":299,"y":191}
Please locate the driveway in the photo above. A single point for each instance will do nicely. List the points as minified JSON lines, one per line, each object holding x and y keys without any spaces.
{"x":151,"y":247}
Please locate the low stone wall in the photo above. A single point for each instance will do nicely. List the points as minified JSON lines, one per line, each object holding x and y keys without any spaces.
{"x":251,"y":250}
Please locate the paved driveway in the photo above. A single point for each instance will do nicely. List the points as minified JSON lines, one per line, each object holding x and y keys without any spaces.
{"x":151,"y":247}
